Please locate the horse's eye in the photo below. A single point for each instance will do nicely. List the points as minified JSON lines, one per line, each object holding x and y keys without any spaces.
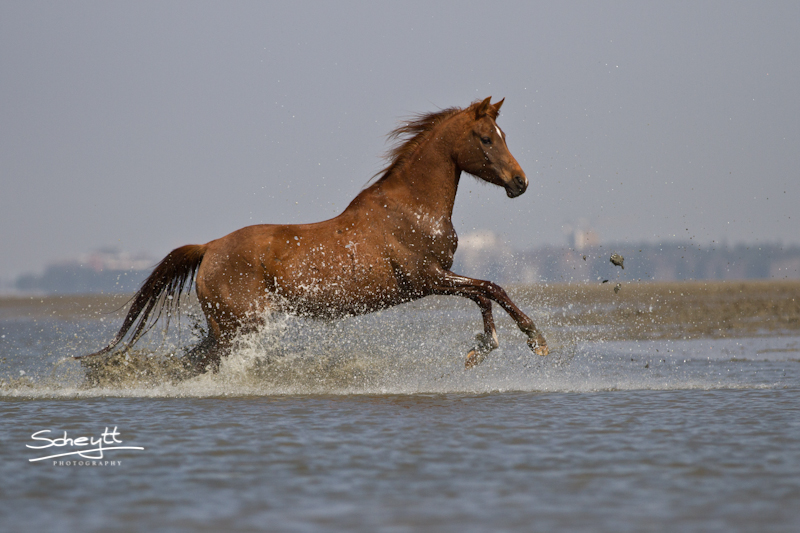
{"x":486,"y":140}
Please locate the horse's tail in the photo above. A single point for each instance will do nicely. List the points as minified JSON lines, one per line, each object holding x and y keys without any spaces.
{"x":162,"y":289}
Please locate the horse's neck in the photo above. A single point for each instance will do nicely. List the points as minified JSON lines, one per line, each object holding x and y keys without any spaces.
{"x":427,"y":183}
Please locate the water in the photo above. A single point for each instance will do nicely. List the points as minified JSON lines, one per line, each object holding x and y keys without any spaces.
{"x":372,"y":424}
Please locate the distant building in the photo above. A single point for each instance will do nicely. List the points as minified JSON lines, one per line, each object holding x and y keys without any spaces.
{"x":581,"y":239}
{"x":486,"y":256}
{"x":581,"y":235}
{"x":483,"y":252}
{"x":109,"y":258}
{"x":107,"y":270}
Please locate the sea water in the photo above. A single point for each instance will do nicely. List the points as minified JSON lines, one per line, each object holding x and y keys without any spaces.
{"x":373,"y":424}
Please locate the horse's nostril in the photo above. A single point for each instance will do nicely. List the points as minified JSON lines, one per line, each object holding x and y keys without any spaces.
{"x":516,"y":186}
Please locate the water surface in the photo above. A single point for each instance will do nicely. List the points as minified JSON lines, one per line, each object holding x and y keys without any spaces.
{"x":372,"y":424}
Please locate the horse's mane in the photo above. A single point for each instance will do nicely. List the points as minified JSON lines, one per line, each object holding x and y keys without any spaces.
{"x":409,"y":135}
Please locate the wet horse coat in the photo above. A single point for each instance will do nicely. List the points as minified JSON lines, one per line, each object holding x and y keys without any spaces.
{"x":394,"y":243}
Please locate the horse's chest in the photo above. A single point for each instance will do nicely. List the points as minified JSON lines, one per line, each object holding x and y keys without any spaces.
{"x":440,"y":239}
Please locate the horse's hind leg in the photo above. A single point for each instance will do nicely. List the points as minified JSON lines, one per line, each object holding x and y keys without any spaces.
{"x":221,"y":340}
{"x":486,"y":341}
{"x":206,"y":355}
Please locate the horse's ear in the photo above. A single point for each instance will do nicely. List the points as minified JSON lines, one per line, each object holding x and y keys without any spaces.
{"x":484,"y":108}
{"x":496,"y":107}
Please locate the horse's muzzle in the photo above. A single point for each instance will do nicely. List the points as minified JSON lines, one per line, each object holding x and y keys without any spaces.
{"x":516,"y":186}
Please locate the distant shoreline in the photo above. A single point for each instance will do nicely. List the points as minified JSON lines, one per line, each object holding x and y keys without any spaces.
{"x":639,"y":310}
{"x":674,"y":309}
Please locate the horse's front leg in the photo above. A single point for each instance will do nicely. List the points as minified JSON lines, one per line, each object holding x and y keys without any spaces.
{"x":486,"y":341}
{"x":470,"y":288}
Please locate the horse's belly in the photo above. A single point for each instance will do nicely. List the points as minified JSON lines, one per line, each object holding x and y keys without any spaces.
{"x":340,"y":295}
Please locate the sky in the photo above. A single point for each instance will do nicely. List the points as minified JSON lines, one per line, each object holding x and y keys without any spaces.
{"x":148,"y":125}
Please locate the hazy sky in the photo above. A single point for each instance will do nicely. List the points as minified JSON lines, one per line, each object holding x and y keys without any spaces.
{"x":148,"y":125}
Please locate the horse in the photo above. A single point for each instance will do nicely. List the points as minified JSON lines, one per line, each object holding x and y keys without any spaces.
{"x":394,"y":243}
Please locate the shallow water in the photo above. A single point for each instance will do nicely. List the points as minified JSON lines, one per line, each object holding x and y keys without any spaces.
{"x":372,"y":424}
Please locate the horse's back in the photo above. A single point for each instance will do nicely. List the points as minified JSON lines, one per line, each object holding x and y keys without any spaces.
{"x":330,"y":268}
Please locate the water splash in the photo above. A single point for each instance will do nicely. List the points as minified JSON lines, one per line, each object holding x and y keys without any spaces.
{"x":418,"y":348}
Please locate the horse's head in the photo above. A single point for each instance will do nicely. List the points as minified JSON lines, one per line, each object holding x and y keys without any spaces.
{"x":482,"y":150}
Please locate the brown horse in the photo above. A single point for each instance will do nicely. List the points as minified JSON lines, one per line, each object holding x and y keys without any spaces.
{"x":394,"y":243}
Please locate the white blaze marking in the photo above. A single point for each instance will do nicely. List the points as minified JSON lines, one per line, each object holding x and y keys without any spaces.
{"x":500,"y":133}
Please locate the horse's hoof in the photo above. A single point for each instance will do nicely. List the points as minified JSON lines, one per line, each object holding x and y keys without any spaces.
{"x":485,"y":343}
{"x":539,"y":346}
{"x":474,"y":358}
